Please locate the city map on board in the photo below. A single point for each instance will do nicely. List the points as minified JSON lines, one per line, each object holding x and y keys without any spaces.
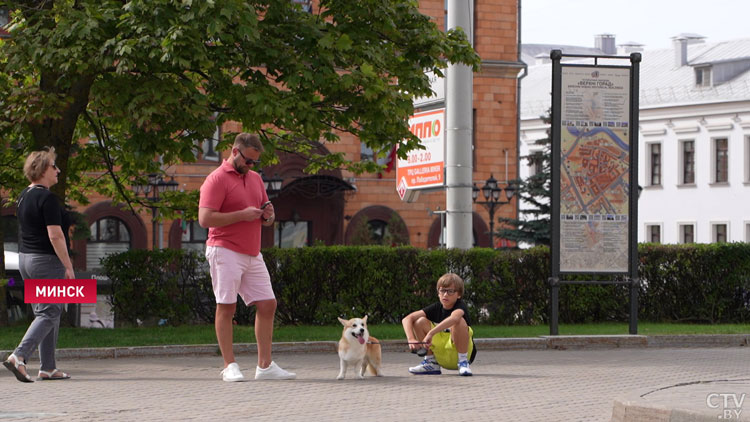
{"x":594,"y":173}
{"x":594,"y":178}
{"x":594,"y":191}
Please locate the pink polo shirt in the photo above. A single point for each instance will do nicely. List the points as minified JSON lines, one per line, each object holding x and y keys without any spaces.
{"x":226,"y":190}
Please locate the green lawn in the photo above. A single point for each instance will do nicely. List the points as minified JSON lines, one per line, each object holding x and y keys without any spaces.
{"x":204,"y":334}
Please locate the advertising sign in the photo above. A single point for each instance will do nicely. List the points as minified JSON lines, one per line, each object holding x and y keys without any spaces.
{"x":423,"y":168}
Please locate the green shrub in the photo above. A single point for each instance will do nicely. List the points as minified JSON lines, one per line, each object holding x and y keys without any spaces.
{"x":167,"y":284}
{"x":314,"y":285}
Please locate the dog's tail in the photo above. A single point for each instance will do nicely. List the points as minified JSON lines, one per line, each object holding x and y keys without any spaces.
{"x":375,"y":346}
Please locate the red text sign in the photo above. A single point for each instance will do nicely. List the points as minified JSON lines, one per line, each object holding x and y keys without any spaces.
{"x":45,"y":290}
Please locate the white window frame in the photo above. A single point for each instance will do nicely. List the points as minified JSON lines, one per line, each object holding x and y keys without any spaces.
{"x":703,"y":76}
{"x":714,"y":142}
{"x":747,"y":158}
{"x":649,"y":167}
{"x":534,"y":154}
{"x":681,"y":163}
{"x":648,"y":227}
{"x":210,"y":144}
{"x":714,"y":226}
{"x":681,"y":231}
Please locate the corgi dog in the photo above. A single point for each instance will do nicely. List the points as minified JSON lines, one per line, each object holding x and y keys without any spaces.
{"x":357,"y":349}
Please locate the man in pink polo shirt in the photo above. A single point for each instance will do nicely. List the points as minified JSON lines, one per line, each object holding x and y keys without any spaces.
{"x":233,"y":205}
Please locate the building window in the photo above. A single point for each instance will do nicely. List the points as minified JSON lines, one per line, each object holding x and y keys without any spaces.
{"x":208,"y":146}
{"x":688,"y":162}
{"x":653,"y":233}
{"x":747,"y":232}
{"x":194,"y":236}
{"x":367,"y":154}
{"x":306,"y":5}
{"x":4,"y":16}
{"x":291,"y":234}
{"x":10,"y":233}
{"x":655,"y":164}
{"x":687,"y":233}
{"x":703,"y":76}
{"x":377,"y":225}
{"x":747,"y":159}
{"x":721,"y":160}
{"x":720,"y":233}
{"x":536,"y":163}
{"x":109,"y":235}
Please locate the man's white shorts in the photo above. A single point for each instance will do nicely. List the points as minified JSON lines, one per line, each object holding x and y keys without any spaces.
{"x":234,"y":273}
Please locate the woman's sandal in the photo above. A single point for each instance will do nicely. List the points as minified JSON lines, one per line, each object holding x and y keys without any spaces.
{"x":13,"y":367}
{"x":50,"y":376}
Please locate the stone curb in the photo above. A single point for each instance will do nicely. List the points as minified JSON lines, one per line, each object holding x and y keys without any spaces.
{"x":527,"y":343}
{"x":684,"y":402}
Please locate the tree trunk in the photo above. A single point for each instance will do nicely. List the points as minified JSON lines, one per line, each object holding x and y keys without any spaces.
{"x":58,"y":131}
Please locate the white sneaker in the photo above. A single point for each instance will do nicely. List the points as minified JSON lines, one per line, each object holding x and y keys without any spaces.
{"x":273,"y":372}
{"x":427,"y":367}
{"x":232,"y":373}
{"x":464,"y":369}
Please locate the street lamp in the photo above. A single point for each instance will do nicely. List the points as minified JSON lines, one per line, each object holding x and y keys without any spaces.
{"x":152,"y":191}
{"x":491,"y":192}
{"x":273,"y":184}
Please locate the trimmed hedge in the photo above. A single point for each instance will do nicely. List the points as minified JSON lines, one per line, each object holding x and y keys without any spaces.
{"x":314,"y":285}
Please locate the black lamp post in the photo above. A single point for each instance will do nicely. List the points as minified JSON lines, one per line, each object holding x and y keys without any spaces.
{"x":273,"y":184}
{"x":152,"y":191}
{"x":491,"y":192}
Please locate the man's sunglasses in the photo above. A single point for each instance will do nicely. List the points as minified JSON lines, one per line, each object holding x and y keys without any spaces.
{"x":248,"y":161}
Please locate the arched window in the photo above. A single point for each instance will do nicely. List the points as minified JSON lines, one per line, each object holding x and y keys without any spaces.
{"x":194,"y":236}
{"x":377,"y":225}
{"x":378,"y":230}
{"x":108,"y":235}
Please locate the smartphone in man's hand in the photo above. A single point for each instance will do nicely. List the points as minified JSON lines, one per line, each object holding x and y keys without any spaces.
{"x":265,"y":204}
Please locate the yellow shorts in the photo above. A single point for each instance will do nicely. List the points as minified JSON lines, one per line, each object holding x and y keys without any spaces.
{"x":445,"y":351}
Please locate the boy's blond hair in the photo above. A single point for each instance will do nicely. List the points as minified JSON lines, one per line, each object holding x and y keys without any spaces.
{"x":449,"y":280}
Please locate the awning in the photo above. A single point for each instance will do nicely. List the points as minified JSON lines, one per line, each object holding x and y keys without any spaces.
{"x":317,"y":186}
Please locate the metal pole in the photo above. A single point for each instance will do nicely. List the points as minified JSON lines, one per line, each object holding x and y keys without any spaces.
{"x":491,"y":209}
{"x":556,"y":56}
{"x":635,"y":60}
{"x":554,"y":288}
{"x":458,"y":160}
{"x":153,"y":227}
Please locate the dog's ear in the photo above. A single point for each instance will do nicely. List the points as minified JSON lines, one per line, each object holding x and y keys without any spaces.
{"x":343,"y":321}
{"x":364,"y":319}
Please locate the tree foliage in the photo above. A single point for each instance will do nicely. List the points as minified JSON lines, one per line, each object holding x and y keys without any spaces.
{"x":533,"y":227}
{"x":146,"y":81}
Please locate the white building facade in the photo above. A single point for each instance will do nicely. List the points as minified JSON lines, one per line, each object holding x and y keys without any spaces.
{"x":694,"y":139}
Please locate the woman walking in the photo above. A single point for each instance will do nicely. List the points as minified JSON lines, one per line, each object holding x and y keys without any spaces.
{"x":43,"y":227}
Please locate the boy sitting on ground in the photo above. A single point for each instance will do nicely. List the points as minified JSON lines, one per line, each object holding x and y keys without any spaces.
{"x":442,"y":328}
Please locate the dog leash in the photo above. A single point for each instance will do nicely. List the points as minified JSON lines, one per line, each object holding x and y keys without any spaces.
{"x":419,"y":352}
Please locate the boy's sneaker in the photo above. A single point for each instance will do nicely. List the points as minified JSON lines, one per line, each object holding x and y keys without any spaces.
{"x":273,"y":372}
{"x":464,"y":369}
{"x":232,"y":373}
{"x":427,"y":367}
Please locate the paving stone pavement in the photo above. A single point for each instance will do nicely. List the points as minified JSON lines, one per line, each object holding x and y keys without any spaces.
{"x":510,"y":385}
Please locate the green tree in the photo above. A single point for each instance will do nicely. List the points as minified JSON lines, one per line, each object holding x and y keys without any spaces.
{"x":147,"y":80}
{"x":534,"y":225}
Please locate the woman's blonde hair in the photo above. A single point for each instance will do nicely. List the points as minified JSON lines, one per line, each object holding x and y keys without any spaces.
{"x":37,"y":163}
{"x":451,"y":280}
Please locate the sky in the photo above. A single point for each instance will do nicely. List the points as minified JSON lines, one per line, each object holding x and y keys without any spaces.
{"x":649,"y":22}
